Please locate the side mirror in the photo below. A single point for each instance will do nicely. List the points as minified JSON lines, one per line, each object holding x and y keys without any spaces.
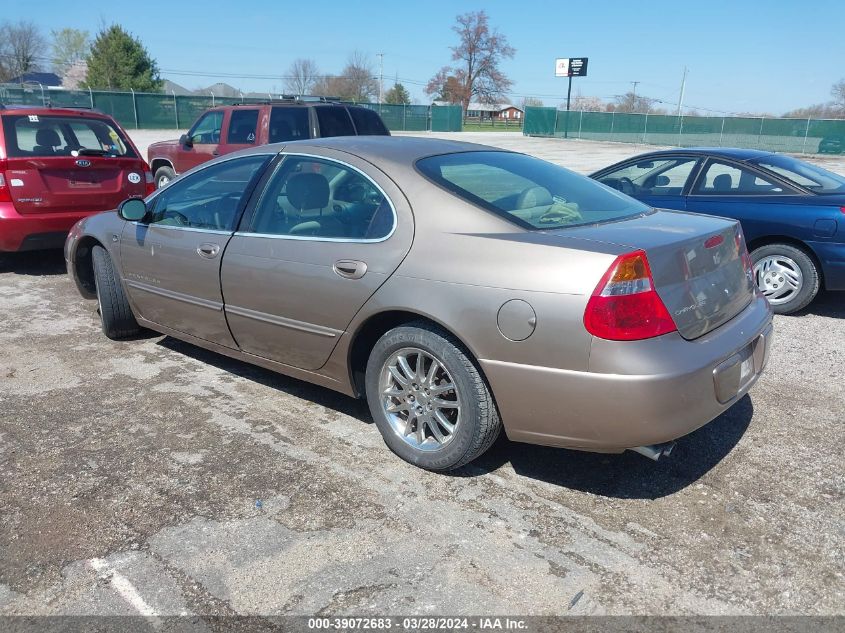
{"x":662,"y":181}
{"x":186,"y":141}
{"x":133,"y":210}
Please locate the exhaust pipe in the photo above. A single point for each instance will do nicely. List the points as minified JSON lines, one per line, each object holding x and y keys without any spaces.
{"x":654,"y":451}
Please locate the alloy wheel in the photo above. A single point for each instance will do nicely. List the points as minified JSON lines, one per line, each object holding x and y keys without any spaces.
{"x":420,"y":399}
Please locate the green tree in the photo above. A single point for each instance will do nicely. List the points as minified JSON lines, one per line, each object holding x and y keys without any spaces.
{"x":70,"y":46}
{"x":119,"y":61}
{"x":397,"y":95}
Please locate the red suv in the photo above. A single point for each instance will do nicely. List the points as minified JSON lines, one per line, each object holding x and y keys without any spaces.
{"x":58,"y":165}
{"x":230,"y":128}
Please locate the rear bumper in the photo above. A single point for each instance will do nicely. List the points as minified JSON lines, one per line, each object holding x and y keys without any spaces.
{"x":35,"y":231}
{"x":638,"y":393}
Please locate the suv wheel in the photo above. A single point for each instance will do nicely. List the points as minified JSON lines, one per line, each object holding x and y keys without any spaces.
{"x":786,"y":275}
{"x":428,"y":398}
{"x":163,"y":176}
{"x":115,"y":313}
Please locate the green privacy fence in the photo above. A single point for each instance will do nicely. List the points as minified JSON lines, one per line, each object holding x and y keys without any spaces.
{"x":781,"y":135}
{"x":136,"y":110}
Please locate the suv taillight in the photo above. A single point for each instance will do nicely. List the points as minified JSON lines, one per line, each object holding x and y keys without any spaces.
{"x":625,"y":306}
{"x":5,"y":194}
{"x":149,"y":183}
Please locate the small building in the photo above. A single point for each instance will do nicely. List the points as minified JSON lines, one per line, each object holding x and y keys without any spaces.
{"x":494,"y":112}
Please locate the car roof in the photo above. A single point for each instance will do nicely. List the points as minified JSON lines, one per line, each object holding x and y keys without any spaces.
{"x":396,"y":149}
{"x":42,"y":111}
{"x":735,"y":153}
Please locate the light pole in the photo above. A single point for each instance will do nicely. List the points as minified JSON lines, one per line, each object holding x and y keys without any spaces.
{"x":380,"y":76}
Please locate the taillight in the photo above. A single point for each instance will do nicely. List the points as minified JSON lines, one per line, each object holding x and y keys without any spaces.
{"x":5,"y":194}
{"x":149,"y":183}
{"x":842,"y":209}
{"x":742,"y":252}
{"x":625,"y":306}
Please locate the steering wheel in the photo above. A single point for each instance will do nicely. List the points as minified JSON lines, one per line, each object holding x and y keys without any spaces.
{"x":181,"y":219}
{"x":627,"y":186}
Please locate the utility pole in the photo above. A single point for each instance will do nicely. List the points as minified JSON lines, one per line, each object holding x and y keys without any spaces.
{"x":683,"y":88}
{"x":634,"y":91}
{"x":380,"y":76}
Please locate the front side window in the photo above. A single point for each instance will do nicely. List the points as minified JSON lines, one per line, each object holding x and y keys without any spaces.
{"x":36,"y":135}
{"x":656,"y":177}
{"x":528,"y":191}
{"x":209,"y":198}
{"x":242,"y":124}
{"x":288,"y":124}
{"x":206,"y":131}
{"x":725,"y":179}
{"x":804,"y":174}
{"x":334,"y":121}
{"x":322,"y":199}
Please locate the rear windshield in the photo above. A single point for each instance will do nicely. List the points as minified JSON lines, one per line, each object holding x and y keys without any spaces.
{"x":368,"y":122}
{"x":334,"y":121}
{"x":288,"y":124}
{"x":37,"y":135}
{"x":528,"y":191}
{"x":803,"y":174}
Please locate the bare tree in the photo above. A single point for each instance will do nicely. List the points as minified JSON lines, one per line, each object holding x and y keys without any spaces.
{"x":838,"y":92}
{"x":631,"y":102}
{"x":478,"y":54}
{"x":357,"y":82}
{"x":359,"y":75}
{"x":588,"y":104}
{"x":22,"y":48}
{"x":302,"y":75}
{"x":69,"y":47}
{"x":532,"y":102}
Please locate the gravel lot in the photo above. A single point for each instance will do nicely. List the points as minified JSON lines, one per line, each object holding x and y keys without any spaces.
{"x":151,"y":476}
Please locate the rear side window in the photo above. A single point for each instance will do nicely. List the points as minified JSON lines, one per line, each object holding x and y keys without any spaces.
{"x":36,"y":135}
{"x":288,"y":124}
{"x":368,"y":122}
{"x":334,"y":121}
{"x":528,"y":191}
{"x":242,"y":124}
{"x":727,"y":179}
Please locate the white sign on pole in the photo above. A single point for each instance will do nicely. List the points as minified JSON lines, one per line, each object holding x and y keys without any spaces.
{"x":562,"y":67}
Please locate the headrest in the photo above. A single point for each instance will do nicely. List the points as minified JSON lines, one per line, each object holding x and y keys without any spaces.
{"x":534,"y":197}
{"x":308,"y":191}
{"x":47,"y":137}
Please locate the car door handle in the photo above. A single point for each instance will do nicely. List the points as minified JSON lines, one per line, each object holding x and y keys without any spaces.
{"x":350,"y":268}
{"x":215,"y":153}
{"x":208,"y":250}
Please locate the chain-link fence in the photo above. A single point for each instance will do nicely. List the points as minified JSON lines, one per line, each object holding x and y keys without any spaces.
{"x":137,"y":110}
{"x":806,"y":136}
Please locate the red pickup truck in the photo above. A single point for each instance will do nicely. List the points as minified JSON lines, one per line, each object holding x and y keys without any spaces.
{"x":231,"y":128}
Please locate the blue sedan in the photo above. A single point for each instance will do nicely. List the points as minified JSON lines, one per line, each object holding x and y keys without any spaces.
{"x":792,"y":212}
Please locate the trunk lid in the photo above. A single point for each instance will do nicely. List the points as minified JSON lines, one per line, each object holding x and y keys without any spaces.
{"x":698,"y":263}
{"x":55,"y":184}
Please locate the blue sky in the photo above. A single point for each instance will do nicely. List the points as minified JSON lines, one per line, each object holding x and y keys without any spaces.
{"x":742,"y":56}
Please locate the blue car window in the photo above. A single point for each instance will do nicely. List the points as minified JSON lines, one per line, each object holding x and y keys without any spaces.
{"x":725,"y":179}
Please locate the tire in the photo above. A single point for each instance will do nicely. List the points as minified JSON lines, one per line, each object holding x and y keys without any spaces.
{"x":779,"y":267}
{"x":163,"y":176}
{"x":115,"y":313}
{"x":475,"y":422}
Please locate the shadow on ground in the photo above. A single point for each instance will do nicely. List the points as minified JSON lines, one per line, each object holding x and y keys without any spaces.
{"x":37,"y":263}
{"x":826,"y":304}
{"x":625,"y":476}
